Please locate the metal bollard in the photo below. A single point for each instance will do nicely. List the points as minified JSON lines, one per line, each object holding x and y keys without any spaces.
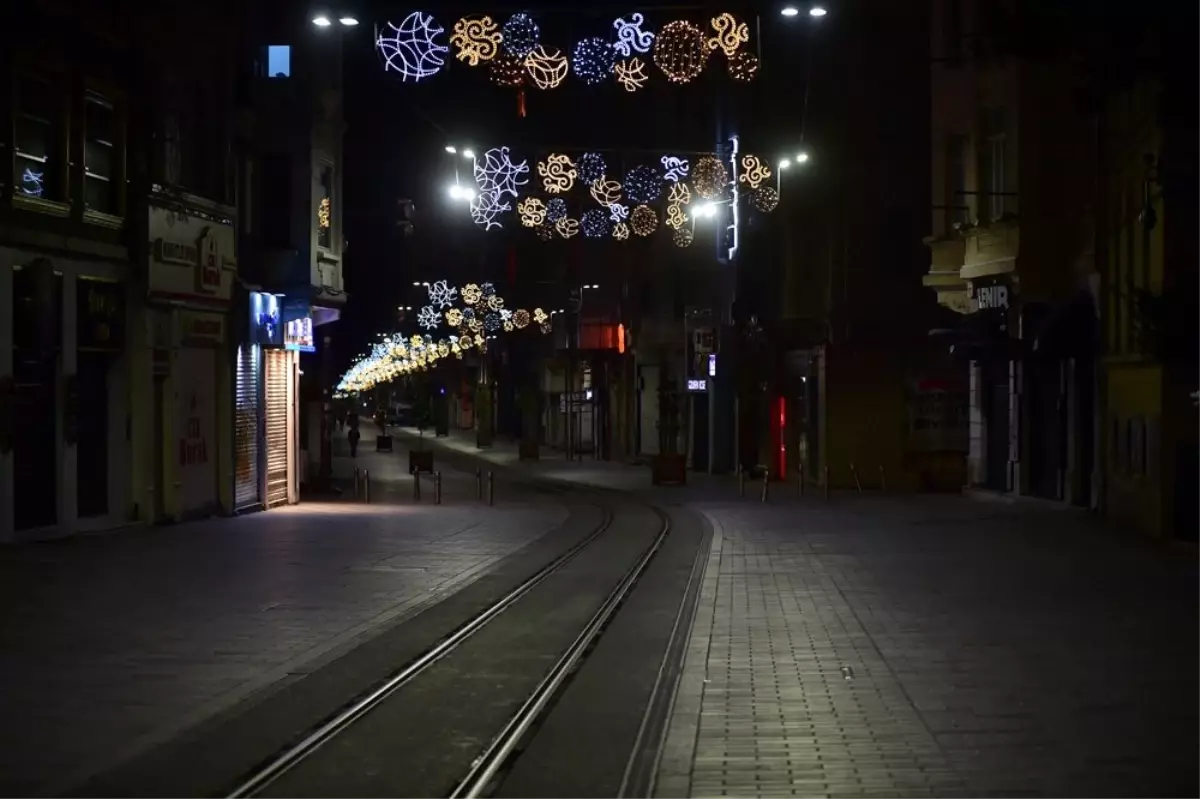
{"x":882,"y":478}
{"x":437,"y":488}
{"x":416,"y":485}
{"x":766,"y":484}
{"x":826,"y":483}
{"x":367,"y":486}
{"x":491,"y":488}
{"x":356,"y":482}
{"x":857,"y":482}
{"x":741,"y":481}
{"x":800,"y":479}
{"x":478,"y":484}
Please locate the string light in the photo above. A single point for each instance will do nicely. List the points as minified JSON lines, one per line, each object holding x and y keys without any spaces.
{"x":680,"y":51}
{"x":682,"y":237}
{"x":591,"y":168}
{"x":495,"y":302}
{"x":593,"y":60}
{"x":411,"y":48}
{"x":643,"y":184}
{"x":323,"y":212}
{"x":488,"y":289}
{"x":606,"y":192}
{"x":558,"y":173}
{"x":477,"y":40}
{"x":556,"y":209}
{"x":618,"y":212}
{"x":471,"y":294}
{"x":675,"y":216}
{"x":545,"y":232}
{"x":521,"y":35}
{"x":532,"y":211}
{"x":620,"y":231}
{"x":676,"y":168}
{"x":547,"y":68}
{"x":630,"y":36}
{"x":520,"y":318}
{"x":754,"y":171}
{"x":486,"y":207}
{"x":643,"y":220}
{"x":497,"y":174}
{"x":631,"y":74}
{"x":454,"y":317}
{"x":679,"y":194}
{"x":442,"y":294}
{"x":730,"y":34}
{"x":595,"y":223}
{"x":492,"y":322}
{"x":507,"y":71}
{"x":567,"y":227}
{"x":743,"y":66}
{"x":764,"y":199}
{"x":709,"y":177}
{"x":540,"y":316}
{"x":429,"y":317}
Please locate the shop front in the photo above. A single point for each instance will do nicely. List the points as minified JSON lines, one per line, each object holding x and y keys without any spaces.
{"x":282,"y":402}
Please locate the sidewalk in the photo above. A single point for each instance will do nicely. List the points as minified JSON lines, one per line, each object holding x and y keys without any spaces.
{"x":891,"y":647}
{"x":112,"y":644}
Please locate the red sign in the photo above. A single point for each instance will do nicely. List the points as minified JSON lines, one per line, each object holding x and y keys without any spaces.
{"x":209,"y":272}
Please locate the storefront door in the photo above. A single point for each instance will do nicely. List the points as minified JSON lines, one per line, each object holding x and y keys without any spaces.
{"x":246,"y":427}
{"x":195,"y":431}
{"x":278,"y":375}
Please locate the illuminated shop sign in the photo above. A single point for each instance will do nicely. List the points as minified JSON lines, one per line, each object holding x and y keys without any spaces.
{"x":298,"y":335}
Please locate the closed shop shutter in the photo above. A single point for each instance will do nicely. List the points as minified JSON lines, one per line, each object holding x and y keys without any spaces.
{"x":245,"y":434}
{"x":277,"y":428}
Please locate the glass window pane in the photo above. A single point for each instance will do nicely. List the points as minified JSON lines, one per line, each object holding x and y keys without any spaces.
{"x":100,"y":195}
{"x":98,"y":119}
{"x":279,"y":61}
{"x":99,"y":159}
{"x":33,"y":137}
{"x":35,"y":98}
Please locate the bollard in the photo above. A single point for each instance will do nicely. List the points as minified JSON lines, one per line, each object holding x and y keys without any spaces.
{"x":882,"y":478}
{"x":356,"y":482}
{"x":826,"y":483}
{"x":478,"y":484}
{"x":491,"y":488}
{"x":367,"y":486}
{"x":741,"y":481}
{"x":416,"y":485}
{"x":766,"y":484}
{"x":437,"y":488}
{"x":800,"y":479}
{"x":857,"y":482}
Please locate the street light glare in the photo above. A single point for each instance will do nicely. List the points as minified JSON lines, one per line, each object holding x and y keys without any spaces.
{"x":450,"y":149}
{"x":322,"y":21}
{"x":784,"y":164}
{"x":802,"y":158}
{"x":790,"y":11}
{"x":468,"y":153}
{"x":707,"y":211}
{"x":817,"y":11}
{"x":350,"y":22}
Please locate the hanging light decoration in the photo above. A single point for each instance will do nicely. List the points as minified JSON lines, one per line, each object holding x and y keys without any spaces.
{"x":709,"y":177}
{"x":545,"y":232}
{"x":591,"y":168}
{"x":592,"y":60}
{"x":477,"y":40}
{"x":743,"y":66}
{"x":753,"y":171}
{"x":643,"y":220}
{"x":507,"y":70}
{"x":547,"y":68}
{"x":520,"y":318}
{"x":680,"y":51}
{"x":764,"y":199}
{"x":521,"y":35}
{"x":567,"y":227}
{"x":682,"y":237}
{"x":556,"y":210}
{"x":620,"y":231}
{"x":595,"y":223}
{"x":643,"y":184}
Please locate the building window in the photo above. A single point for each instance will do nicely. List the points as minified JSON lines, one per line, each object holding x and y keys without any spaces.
{"x":279,"y":61}
{"x":958,"y":211}
{"x":994,"y":164}
{"x":325,"y":209}
{"x":36,"y":165}
{"x":101,"y":159}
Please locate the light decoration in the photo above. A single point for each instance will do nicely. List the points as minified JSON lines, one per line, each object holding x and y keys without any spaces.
{"x":532,"y":211}
{"x":454,"y":317}
{"x":618,"y":212}
{"x":471,"y":293}
{"x":620,"y":231}
{"x":567,"y":227}
{"x":743,"y":66}
{"x":734,"y":227}
{"x":488,"y":289}
{"x":486,"y":207}
{"x":545,"y":232}
{"x":507,"y":70}
{"x":31,"y":183}
{"x":631,"y":74}
{"x":591,"y":168}
{"x":497,"y":174}
{"x":417,"y":341}
{"x":546,"y":328}
{"x":643,"y":220}
{"x":679,"y":194}
{"x":429,"y":317}
{"x":539,"y":315}
{"x":730,"y":34}
{"x":764,"y":199}
{"x":556,"y":209}
{"x":520,"y":318}
{"x":475,"y":325}
{"x":442,"y":294}
{"x":592,"y":60}
{"x":558,"y":173}
{"x":595,"y":223}
{"x":547,"y":68}
{"x":495,"y":302}
{"x":709,"y":177}
{"x":675,"y":216}
{"x":643,"y":184}
{"x":606,"y":192}
{"x":675,"y":168}
{"x":410,"y":47}
{"x":680,"y":51}
{"x":477,"y":40}
{"x":682,"y":237}
{"x":754,"y":171}
{"x":521,"y":35}
{"x":492,"y":322}
{"x":630,"y":36}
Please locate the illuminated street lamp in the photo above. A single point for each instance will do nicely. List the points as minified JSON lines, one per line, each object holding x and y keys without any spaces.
{"x":450,"y":149}
{"x":790,"y":11}
{"x":345,"y":20}
{"x":817,"y":11}
{"x":458,"y":192}
{"x":802,"y":157}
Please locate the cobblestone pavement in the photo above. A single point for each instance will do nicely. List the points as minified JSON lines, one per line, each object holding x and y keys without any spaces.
{"x":934,"y":648}
{"x":114,"y":643}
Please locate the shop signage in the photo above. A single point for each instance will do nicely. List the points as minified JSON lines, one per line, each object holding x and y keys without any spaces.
{"x":100,"y":315}
{"x":266,"y":325}
{"x":200,"y":329}
{"x":298,"y":335}
{"x":697,"y":384}
{"x":191,"y":256}
{"x":193,"y":448}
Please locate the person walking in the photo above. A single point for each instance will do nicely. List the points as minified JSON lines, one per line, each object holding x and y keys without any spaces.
{"x":354,"y":436}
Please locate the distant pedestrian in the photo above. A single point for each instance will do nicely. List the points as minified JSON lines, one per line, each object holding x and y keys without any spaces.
{"x":354,"y":436}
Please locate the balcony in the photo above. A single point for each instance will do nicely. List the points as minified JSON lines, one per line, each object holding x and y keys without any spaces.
{"x":947,"y":255}
{"x":992,"y":248}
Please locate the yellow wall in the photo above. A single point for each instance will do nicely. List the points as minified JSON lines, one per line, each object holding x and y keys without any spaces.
{"x":1134,"y":497}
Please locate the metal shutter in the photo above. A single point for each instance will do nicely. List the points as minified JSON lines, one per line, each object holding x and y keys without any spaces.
{"x":245,"y":432}
{"x":277,"y":428}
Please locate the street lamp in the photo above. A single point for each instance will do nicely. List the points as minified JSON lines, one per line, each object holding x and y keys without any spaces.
{"x":469,"y":154}
{"x":817,"y":11}
{"x":450,"y":149}
{"x":802,"y":157}
{"x":790,"y":11}
{"x":706,"y":211}
{"x":345,"y":20}
{"x":458,"y":192}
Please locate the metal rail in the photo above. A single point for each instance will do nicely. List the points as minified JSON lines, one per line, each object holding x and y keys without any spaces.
{"x":488,"y":765}
{"x":294,"y":755}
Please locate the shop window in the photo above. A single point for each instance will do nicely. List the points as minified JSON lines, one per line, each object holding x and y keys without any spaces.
{"x":101,"y":157}
{"x":279,"y":61}
{"x":37,"y":123}
{"x":325,"y":209}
